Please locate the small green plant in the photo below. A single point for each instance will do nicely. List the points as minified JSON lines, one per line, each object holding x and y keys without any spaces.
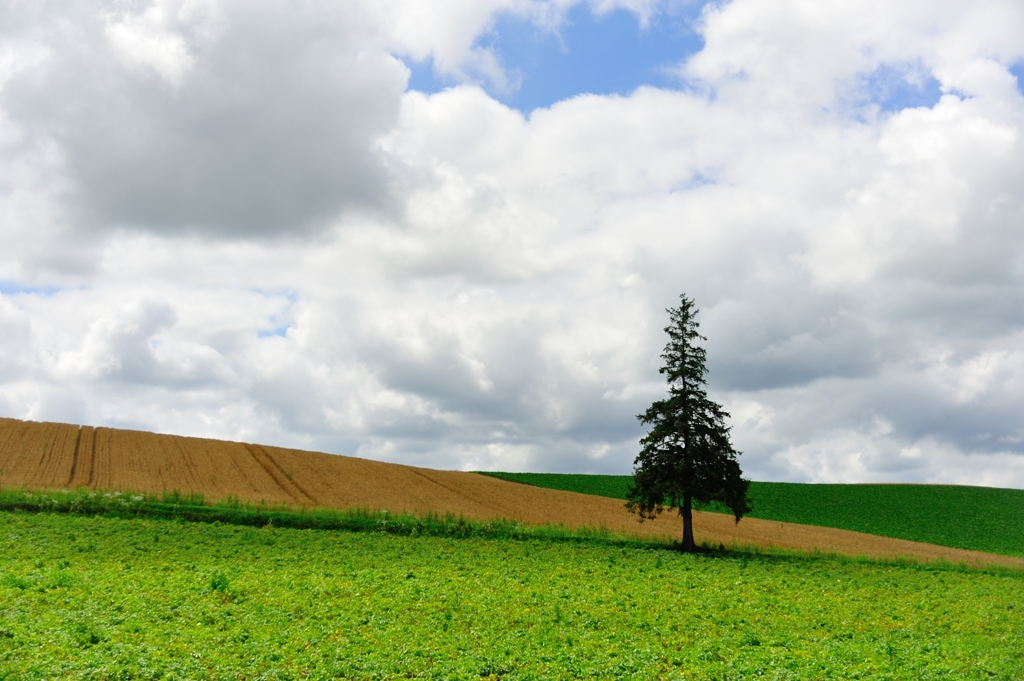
{"x":85,"y":634}
{"x":219,"y":582}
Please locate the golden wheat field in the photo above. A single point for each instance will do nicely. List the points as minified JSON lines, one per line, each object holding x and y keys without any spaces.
{"x":60,"y":456}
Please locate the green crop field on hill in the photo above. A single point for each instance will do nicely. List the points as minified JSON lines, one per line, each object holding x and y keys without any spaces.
{"x":88,"y":597}
{"x":976,"y":518}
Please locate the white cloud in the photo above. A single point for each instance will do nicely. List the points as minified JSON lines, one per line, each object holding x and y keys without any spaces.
{"x":144,"y":40}
{"x":268,"y":125}
{"x":231,"y":220}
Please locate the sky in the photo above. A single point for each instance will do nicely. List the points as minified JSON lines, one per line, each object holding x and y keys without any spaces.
{"x":445,"y":234}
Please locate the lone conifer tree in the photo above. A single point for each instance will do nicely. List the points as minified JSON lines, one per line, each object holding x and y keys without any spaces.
{"x":687,"y":457}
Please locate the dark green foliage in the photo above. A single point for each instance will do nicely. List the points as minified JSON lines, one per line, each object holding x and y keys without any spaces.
{"x":686,"y":458}
{"x":219,"y":582}
{"x":979,"y":519}
{"x":308,"y":604}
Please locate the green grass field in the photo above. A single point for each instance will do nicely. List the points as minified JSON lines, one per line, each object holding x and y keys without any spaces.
{"x":111,"y":598}
{"x":977,"y":518}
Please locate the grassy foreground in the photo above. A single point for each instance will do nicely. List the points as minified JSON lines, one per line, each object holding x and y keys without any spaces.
{"x":90,"y":597}
{"x":975,"y":518}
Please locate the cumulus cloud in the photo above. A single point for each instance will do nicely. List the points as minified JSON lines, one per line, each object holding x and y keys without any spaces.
{"x":149,"y":39}
{"x":242,"y":119}
{"x":233,"y":220}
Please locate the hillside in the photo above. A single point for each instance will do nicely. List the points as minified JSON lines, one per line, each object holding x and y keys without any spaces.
{"x":976,"y":518}
{"x":60,"y":456}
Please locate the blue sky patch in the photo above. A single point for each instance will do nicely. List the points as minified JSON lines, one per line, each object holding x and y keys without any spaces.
{"x":596,"y":54}
{"x":1018,"y":72}
{"x":894,"y":89}
{"x":278,"y":326}
{"x":11,"y":288}
{"x":280,"y":331}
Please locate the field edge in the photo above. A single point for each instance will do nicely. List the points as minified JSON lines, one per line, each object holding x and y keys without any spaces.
{"x":192,"y":508}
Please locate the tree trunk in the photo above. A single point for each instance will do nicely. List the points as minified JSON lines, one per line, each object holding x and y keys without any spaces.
{"x":687,"y":512}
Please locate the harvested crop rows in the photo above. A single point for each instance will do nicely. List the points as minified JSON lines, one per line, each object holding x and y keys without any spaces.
{"x":58,"y":456}
{"x":36,"y":454}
